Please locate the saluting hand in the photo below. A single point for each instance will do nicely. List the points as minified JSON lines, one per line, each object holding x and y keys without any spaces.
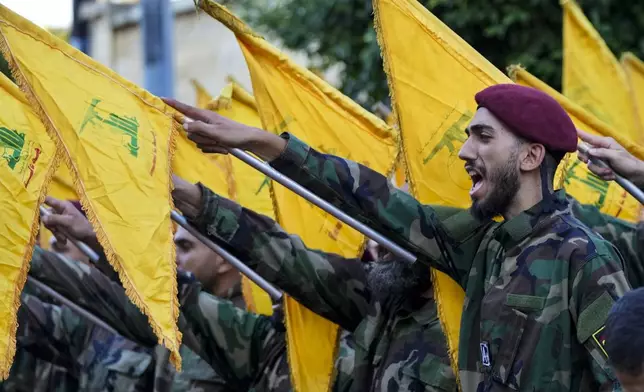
{"x":65,"y":217}
{"x":617,"y":157}
{"x":186,"y":197}
{"x":213,"y":133}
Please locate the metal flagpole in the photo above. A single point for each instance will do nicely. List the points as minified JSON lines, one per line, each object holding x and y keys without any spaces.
{"x":89,"y":252}
{"x":323,"y":204}
{"x":65,"y":301}
{"x":636,"y":192}
{"x":274,"y":293}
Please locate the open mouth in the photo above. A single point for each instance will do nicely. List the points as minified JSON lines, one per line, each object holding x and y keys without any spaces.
{"x":477,"y":181}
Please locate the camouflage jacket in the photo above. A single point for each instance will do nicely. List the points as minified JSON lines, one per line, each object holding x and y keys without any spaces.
{"x":30,"y":373}
{"x":245,"y":348}
{"x":103,"y":361}
{"x":538,"y":286}
{"x":249,"y":350}
{"x":106,"y":299}
{"x":399,"y":343}
{"x":627,"y":237}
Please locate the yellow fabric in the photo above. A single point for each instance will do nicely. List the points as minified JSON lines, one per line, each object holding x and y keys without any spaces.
{"x":573,"y":175}
{"x":245,"y":185}
{"x":634,"y":69}
{"x":433,"y":76}
{"x":592,"y":76}
{"x":26,"y":166}
{"x":292,"y":98}
{"x":203,"y":97}
{"x":118,"y":142}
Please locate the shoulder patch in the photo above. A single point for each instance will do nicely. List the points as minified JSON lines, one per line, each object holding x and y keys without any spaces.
{"x":600,"y":338}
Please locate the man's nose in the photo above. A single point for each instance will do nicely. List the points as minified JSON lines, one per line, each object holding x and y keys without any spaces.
{"x":467,"y":151}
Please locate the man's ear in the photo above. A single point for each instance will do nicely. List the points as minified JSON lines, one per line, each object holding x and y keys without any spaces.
{"x":533,"y":155}
{"x":224,"y":268}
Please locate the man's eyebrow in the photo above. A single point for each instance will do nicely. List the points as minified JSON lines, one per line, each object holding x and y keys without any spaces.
{"x":478,"y":128}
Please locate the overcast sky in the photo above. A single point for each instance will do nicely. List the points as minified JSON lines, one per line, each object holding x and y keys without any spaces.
{"x":45,"y":13}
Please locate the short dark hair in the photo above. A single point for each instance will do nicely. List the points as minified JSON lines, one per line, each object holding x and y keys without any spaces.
{"x":624,"y":333}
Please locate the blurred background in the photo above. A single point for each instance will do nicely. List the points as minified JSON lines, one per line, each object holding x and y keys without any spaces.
{"x":163,"y":44}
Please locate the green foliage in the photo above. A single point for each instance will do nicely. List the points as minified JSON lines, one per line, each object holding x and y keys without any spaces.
{"x":506,"y":32}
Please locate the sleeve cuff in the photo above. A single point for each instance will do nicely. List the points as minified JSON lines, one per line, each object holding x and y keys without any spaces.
{"x":218,"y":216}
{"x":294,"y":155}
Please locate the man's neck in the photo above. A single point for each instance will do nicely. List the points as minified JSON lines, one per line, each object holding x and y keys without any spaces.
{"x":528,"y":196}
{"x":225,"y":285}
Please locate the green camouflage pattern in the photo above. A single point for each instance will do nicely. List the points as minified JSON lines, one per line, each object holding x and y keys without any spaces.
{"x":106,"y":299}
{"x":104,"y":361}
{"x":538,"y":286}
{"x":247,"y":349}
{"x":30,"y":373}
{"x":627,"y":237}
{"x":399,"y":343}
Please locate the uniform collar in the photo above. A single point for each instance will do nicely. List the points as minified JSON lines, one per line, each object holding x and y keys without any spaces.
{"x":513,"y":231}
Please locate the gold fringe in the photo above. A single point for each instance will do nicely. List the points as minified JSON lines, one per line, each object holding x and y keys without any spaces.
{"x":7,"y":362}
{"x":452,"y":351}
{"x":101,"y":235}
{"x":243,"y":33}
{"x":375,"y":125}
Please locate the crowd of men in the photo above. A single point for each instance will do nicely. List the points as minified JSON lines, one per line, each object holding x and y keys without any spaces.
{"x":549,"y":301}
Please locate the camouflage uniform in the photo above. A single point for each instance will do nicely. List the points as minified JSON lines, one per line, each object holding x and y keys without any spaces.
{"x":103,"y":361}
{"x":538,"y":286}
{"x":247,"y":349}
{"x":95,"y":292}
{"x":32,"y":374}
{"x":627,"y":237}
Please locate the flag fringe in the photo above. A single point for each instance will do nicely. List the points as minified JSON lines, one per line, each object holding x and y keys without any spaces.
{"x":242,"y":32}
{"x":112,"y":257}
{"x":5,"y":363}
{"x":384,"y":50}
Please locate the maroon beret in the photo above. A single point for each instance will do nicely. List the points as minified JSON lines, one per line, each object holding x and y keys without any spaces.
{"x":531,"y":114}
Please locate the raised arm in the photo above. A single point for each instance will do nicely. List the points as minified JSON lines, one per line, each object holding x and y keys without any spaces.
{"x":92,"y":290}
{"x":239,"y":345}
{"x":627,"y":237}
{"x":334,"y":287}
{"x":42,"y":332}
{"x":359,"y":191}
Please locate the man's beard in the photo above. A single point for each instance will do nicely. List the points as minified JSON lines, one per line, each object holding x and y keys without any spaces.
{"x":504,"y":185}
{"x":398,"y":278}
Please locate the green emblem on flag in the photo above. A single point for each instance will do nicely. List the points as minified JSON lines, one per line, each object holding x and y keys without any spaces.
{"x":129,"y":126}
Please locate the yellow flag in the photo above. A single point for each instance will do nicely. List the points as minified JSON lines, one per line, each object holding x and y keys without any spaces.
{"x":433,"y":76}
{"x":203,"y":97}
{"x":246,"y":185}
{"x":292,"y":98}
{"x":26,"y":166}
{"x":634,"y":69}
{"x":592,"y":76}
{"x":573,"y":175}
{"x":118,"y":143}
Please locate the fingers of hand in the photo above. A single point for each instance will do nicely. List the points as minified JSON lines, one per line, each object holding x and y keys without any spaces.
{"x":190,"y":111}
{"x":602,"y":172}
{"x":57,"y":205}
{"x":60,"y":237}
{"x":609,"y":155}
{"x":209,"y":149}
{"x":582,"y":157}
